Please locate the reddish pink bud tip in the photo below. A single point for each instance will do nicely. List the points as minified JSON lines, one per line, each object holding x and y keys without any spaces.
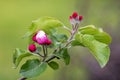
{"x":34,"y":37}
{"x":32,"y":48}
{"x":80,"y":18}
{"x":75,"y":14}
{"x":70,"y":17}
{"x":48,"y":42}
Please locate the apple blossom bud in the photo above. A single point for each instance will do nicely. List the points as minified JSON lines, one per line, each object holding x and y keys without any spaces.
{"x":34,"y":37}
{"x":49,"y":42}
{"x":42,"y":38}
{"x":72,"y":21}
{"x":75,"y":18}
{"x":80,"y":18}
{"x":70,"y":17}
{"x":75,"y":15}
{"x":32,"y":48}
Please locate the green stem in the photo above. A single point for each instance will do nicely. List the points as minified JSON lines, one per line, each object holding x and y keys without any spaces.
{"x":73,"y":32}
{"x":40,"y":55}
{"x":75,"y":28}
{"x":44,"y":52}
{"x":52,"y":57}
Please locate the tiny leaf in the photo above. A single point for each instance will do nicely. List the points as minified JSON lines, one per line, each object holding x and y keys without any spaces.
{"x":63,"y":53}
{"x":33,"y":68}
{"x":53,"y":65}
{"x":58,"y":39}
{"x":61,"y":37}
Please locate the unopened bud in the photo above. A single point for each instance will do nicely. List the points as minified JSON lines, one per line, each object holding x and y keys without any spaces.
{"x":70,"y":17}
{"x":32,"y":48}
{"x":80,"y":18}
{"x":75,"y":18}
{"x":75,"y":15}
{"x":41,"y":38}
{"x":48,"y":42}
{"x":34,"y":37}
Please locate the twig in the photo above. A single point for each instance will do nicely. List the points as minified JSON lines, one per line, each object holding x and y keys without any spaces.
{"x":39,"y":54}
{"x":68,"y":42}
{"x":52,"y":57}
{"x":23,"y":78}
{"x":44,"y":52}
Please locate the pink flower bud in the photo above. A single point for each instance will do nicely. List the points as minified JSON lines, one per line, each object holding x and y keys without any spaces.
{"x":49,"y":42}
{"x":75,"y":18}
{"x":75,"y":15}
{"x":70,"y":17}
{"x":80,"y":18}
{"x":72,"y":21}
{"x":34,"y":37}
{"x":42,"y":38}
{"x":32,"y":48}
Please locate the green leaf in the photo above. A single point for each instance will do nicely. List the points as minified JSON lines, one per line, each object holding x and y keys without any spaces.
{"x":53,"y":65}
{"x":103,"y":37}
{"x":61,"y":37}
{"x":27,"y":34}
{"x":58,"y":39}
{"x":98,"y":49}
{"x":90,"y":29}
{"x":33,"y":68}
{"x":63,"y":53}
{"x":45,"y":24}
{"x":76,"y":43}
{"x":97,"y":33}
{"x":19,"y":55}
{"x":39,"y":49}
{"x":77,"y":40}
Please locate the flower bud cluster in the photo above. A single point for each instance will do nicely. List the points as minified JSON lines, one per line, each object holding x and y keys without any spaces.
{"x":75,"y":18}
{"x":40,"y":38}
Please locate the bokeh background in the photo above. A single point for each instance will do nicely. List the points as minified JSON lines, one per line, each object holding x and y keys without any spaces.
{"x":17,"y":15}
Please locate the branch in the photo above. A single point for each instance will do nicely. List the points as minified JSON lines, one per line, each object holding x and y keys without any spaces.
{"x":68,"y":42}
{"x":23,"y":78}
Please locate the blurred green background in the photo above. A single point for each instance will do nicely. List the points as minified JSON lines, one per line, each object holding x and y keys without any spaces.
{"x":17,"y":15}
